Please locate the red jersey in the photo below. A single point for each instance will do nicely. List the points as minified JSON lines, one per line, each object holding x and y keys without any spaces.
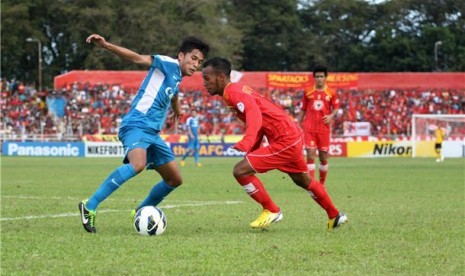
{"x":261,"y":117}
{"x":316,"y":104}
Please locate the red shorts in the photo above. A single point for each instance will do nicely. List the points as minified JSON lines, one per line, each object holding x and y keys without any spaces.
{"x":316,"y":140}
{"x":287,"y":158}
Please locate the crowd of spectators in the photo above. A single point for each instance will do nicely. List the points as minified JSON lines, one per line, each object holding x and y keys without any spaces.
{"x":98,"y":109}
{"x":85,"y":109}
{"x":24,"y":109}
{"x":390,"y":111}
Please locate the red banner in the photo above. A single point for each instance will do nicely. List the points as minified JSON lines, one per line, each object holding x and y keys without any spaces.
{"x":302,"y":80}
{"x":288,"y":80}
{"x":258,"y":80}
{"x":342,"y":80}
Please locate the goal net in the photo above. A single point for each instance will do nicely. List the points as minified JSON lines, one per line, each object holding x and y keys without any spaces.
{"x":423,"y":139}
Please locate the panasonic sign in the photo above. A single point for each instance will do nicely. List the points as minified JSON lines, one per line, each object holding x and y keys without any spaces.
{"x":43,"y":149}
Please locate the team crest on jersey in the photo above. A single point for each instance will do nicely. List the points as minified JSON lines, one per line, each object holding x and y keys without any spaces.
{"x":169,"y":92}
{"x":240,"y":107}
{"x":327,"y":98}
{"x":318,"y":105}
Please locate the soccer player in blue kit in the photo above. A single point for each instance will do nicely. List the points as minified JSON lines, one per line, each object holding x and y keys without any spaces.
{"x":140,"y":128}
{"x":192,"y":124}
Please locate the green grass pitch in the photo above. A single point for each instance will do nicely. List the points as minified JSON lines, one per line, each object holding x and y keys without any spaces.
{"x":406,"y":216}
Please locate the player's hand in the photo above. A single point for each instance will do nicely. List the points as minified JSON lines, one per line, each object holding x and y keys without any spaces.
{"x":174,"y":116}
{"x":327,"y":119}
{"x":98,"y":40}
{"x":235,"y":149}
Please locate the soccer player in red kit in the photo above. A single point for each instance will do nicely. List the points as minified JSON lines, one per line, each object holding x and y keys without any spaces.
{"x":284,"y":152}
{"x":319,"y":106}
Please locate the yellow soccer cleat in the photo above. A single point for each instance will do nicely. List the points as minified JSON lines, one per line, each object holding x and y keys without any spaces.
{"x":133,"y":214}
{"x":266,"y":218}
{"x":183,"y":163}
{"x":337,"y":221}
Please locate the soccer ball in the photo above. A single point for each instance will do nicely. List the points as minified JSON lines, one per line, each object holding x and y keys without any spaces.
{"x":150,"y":221}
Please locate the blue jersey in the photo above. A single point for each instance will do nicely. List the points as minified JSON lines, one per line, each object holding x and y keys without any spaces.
{"x":150,"y":106}
{"x":193,"y":124}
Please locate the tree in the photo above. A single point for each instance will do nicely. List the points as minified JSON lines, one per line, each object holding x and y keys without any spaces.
{"x":62,"y":27}
{"x":272,"y":34}
{"x":258,"y":35}
{"x":160,"y":26}
{"x":408,"y":31}
{"x":397,"y":35}
{"x":15,"y":21}
{"x":337,"y":32}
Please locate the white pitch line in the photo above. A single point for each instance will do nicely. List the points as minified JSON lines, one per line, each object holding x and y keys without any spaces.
{"x":205,"y":203}
{"x":38,"y":197}
{"x":79,"y":199}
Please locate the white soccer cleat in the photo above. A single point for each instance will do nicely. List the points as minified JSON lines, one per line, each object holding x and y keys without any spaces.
{"x":336,"y":222}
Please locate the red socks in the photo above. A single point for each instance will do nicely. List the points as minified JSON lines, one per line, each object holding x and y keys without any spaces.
{"x":255,"y":189}
{"x":319,"y":194}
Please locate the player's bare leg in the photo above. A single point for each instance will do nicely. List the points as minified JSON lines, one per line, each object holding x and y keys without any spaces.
{"x":323,"y":155}
{"x":171,"y":179}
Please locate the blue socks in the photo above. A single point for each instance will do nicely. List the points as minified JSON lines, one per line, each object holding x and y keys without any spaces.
{"x":196,"y":156}
{"x":111,"y":184}
{"x":157,"y":194}
{"x":185,"y":155}
{"x":120,"y":176}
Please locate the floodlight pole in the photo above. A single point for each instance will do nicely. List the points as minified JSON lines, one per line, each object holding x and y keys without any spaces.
{"x":436,"y":60}
{"x":39,"y":50}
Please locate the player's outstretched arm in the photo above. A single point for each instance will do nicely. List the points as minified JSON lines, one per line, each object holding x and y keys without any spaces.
{"x":125,"y":53}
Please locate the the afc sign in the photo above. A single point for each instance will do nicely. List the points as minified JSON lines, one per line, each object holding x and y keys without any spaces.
{"x":207,"y":149}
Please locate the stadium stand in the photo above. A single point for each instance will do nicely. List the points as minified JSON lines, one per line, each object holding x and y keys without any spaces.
{"x":81,"y":108}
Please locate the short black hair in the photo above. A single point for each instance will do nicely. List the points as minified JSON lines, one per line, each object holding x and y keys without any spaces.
{"x":191,"y":43}
{"x":221,"y":65}
{"x":320,"y":68}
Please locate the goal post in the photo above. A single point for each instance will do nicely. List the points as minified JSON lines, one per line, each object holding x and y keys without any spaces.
{"x":423,"y":139}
